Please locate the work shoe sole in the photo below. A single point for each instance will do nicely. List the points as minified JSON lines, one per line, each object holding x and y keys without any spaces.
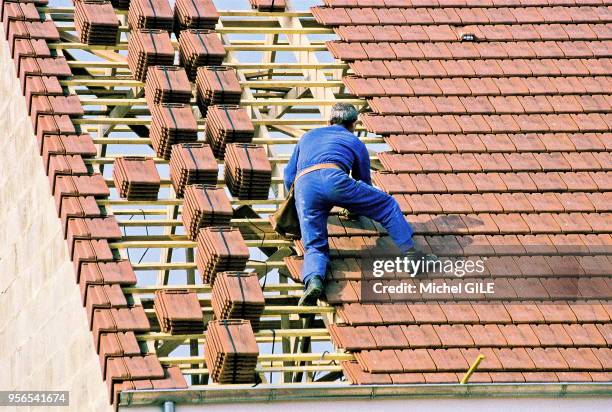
{"x":309,"y":298}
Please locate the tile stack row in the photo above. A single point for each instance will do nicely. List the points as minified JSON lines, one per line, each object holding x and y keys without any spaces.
{"x":231,"y":351}
{"x":205,"y":206}
{"x":136,"y":178}
{"x":167,"y":84}
{"x":149,"y":47}
{"x":191,"y":164}
{"x":159,"y":14}
{"x":238,"y":295}
{"x":220,"y":249}
{"x":195,"y":14}
{"x":490,"y":114}
{"x":172,"y":123}
{"x":269,"y":5}
{"x":200,"y":47}
{"x":178,"y":311}
{"x":207,"y":211}
{"x":150,"y":14}
{"x":227,"y":124}
{"x":96,"y":22}
{"x":248,"y":172}
{"x":216,"y":85}
{"x":99,"y":271}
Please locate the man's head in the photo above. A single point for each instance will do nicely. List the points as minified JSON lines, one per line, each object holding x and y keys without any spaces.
{"x":345,"y":115}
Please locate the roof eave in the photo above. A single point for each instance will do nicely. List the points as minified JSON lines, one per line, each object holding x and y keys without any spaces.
{"x":313,"y":392}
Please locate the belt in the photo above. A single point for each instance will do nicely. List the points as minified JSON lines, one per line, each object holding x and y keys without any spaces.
{"x":317,"y":167}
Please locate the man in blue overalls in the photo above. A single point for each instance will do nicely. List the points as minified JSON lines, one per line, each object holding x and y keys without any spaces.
{"x":322,"y":160}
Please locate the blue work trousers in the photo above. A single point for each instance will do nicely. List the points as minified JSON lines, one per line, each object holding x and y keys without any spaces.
{"x":315,"y":195}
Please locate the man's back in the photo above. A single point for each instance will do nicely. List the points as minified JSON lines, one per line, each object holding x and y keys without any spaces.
{"x":331,"y":144}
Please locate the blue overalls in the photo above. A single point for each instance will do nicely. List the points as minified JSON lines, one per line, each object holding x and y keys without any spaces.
{"x":317,"y":192}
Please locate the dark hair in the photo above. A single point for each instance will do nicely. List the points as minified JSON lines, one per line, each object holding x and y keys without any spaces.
{"x":344,"y":114}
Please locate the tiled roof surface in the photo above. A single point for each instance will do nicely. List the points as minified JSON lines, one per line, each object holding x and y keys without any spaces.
{"x":497,"y":116}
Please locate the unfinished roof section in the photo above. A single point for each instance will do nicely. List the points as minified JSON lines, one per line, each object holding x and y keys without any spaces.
{"x":164,"y":172}
{"x":497,"y":115}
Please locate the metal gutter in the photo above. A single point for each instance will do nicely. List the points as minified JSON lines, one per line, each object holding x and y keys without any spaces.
{"x":314,"y":392}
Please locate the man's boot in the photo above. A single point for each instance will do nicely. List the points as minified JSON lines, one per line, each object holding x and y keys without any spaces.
{"x":312,"y":291}
{"x":416,"y":255}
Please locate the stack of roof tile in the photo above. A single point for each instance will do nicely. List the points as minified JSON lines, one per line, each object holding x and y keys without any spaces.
{"x":55,"y":105}
{"x":268,"y":5}
{"x":150,"y":14}
{"x":149,"y":47}
{"x":192,"y":163}
{"x":42,"y":66}
{"x":18,"y":12}
{"x":53,"y":125}
{"x":167,"y":84}
{"x":238,"y":295}
{"x":103,"y":297}
{"x":131,"y":368}
{"x":173,"y":379}
{"x":248,"y":172}
{"x":217,"y":85}
{"x":81,"y":145}
{"x":227,"y":124}
{"x":96,"y":22}
{"x":114,"y":320}
{"x":220,"y":249}
{"x":178,"y":311}
{"x":195,"y":14}
{"x":71,"y":165}
{"x":231,"y":351}
{"x":29,"y":48}
{"x":490,"y":141}
{"x":114,"y":345}
{"x":121,"y":4}
{"x":106,"y":273}
{"x":205,"y":206}
{"x":41,"y":86}
{"x":21,"y":29}
{"x":200,"y":47}
{"x":136,"y":178}
{"x":78,"y":206}
{"x":172,"y":123}
{"x":76,"y":191}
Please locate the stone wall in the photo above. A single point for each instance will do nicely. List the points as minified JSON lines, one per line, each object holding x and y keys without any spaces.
{"x":45,"y":342}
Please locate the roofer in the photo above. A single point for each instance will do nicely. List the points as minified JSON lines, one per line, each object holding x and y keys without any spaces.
{"x":322,"y":160}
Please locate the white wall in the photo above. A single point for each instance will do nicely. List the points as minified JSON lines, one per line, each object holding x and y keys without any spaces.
{"x":45,"y":342}
{"x":405,"y":405}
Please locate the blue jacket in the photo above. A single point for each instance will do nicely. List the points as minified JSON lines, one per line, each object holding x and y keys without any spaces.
{"x":331,"y":144}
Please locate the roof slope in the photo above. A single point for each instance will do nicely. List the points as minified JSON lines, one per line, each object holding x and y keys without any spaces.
{"x":498,"y":118}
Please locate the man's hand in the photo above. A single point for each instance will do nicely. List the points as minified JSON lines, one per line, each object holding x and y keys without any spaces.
{"x":348,"y":215}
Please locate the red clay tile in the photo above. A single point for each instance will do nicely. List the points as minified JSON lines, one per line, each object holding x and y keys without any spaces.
{"x":519,"y":335}
{"x":415,"y":360}
{"x":356,"y":375}
{"x":420,"y":336}
{"x":557,"y":312}
{"x":583,"y":358}
{"x":585,"y":335}
{"x":486,"y":335}
{"x":513,"y":359}
{"x":354,"y":338}
{"x":389,"y":337}
{"x":380,"y":361}
{"x":552,"y":335}
{"x":453,"y":335}
{"x":448,"y":359}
